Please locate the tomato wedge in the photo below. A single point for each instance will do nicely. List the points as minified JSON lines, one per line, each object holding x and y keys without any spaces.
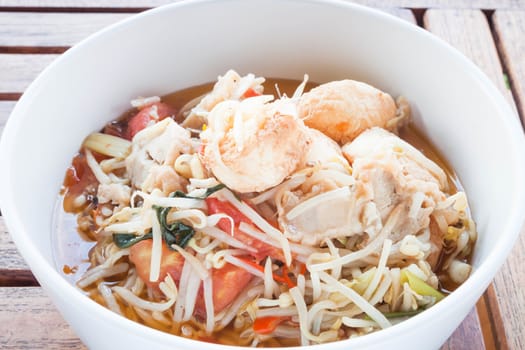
{"x":140,"y":120}
{"x":263,"y":249}
{"x":228,"y":281}
{"x":171,"y":262}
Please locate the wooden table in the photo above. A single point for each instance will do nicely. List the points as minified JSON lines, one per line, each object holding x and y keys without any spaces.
{"x":34,"y":32}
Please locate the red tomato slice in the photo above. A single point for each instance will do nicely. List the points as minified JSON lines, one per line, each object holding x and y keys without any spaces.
{"x":228,"y":283}
{"x":216,"y":206}
{"x":263,"y":249}
{"x":140,"y":120}
{"x":251,"y":93}
{"x":171,"y":262}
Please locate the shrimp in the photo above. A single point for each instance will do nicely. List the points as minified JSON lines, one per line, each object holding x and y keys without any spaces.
{"x":253,"y":144}
{"x":344,"y":109}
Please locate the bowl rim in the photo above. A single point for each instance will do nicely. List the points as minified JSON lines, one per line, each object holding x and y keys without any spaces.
{"x":476,"y":283}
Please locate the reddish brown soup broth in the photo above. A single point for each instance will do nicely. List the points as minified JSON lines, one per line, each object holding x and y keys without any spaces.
{"x":73,"y":246}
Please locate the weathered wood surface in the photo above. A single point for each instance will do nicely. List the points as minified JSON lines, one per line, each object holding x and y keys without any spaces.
{"x":507,"y":294}
{"x":509,"y":28}
{"x":469,"y":329}
{"x":475,"y":42}
{"x":18,"y":71}
{"x":5,"y":110}
{"x":28,"y":320}
{"x":23,"y":31}
{"x":134,"y":5}
{"x":509,"y":284}
{"x":10,"y":258}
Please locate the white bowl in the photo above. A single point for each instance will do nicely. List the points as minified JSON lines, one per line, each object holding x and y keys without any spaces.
{"x":188,"y":43}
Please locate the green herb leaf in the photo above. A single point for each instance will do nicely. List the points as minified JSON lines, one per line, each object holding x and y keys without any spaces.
{"x":398,"y":314}
{"x":209,"y":192}
{"x":506,"y":80}
{"x":403,"y":313}
{"x":175,"y":233}
{"x":126,"y":240}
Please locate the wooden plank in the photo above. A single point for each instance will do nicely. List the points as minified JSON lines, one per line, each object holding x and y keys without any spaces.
{"x":87,"y":4}
{"x":443,"y":4}
{"x":467,"y":335}
{"x":402,"y":13}
{"x":5,"y":110}
{"x":13,"y":269}
{"x":28,"y":320}
{"x":32,"y":32}
{"x":10,"y":259}
{"x":491,"y":323}
{"x":19,"y":70}
{"x":509,"y":27}
{"x":29,"y":29}
{"x":510,"y":281}
{"x":469,"y":32}
{"x":142,"y":4}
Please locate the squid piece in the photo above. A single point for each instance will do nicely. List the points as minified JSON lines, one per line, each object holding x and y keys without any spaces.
{"x":344,"y":109}
{"x":253,"y":144}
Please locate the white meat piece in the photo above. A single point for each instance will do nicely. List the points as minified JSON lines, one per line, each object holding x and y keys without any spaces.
{"x":324,"y":199}
{"x":114,"y":193}
{"x":230,"y":86}
{"x":157,"y":145}
{"x":388,"y":172}
{"x":321,"y":150}
{"x":331,"y":214}
{"x":165,"y":178}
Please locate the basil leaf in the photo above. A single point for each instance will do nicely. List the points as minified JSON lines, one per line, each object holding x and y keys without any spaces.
{"x":176,"y":233}
{"x":126,"y":240}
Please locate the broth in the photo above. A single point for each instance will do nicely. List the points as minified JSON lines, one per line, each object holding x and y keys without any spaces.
{"x":73,"y":245}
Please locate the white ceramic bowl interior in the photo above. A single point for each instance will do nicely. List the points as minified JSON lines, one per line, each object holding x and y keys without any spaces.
{"x":188,"y":43}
